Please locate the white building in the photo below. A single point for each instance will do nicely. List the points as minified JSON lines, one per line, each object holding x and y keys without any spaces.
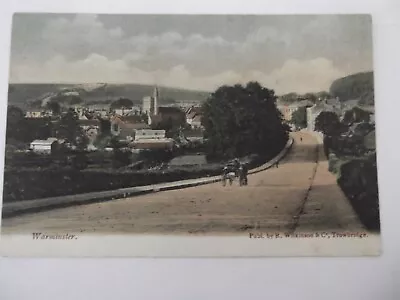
{"x":38,"y":114}
{"x":332,"y":105}
{"x":147,"y":139}
{"x":123,"y":111}
{"x":147,"y":134}
{"x":44,"y":146}
{"x":194,"y":116}
{"x":287,"y":110}
{"x":150,"y":103}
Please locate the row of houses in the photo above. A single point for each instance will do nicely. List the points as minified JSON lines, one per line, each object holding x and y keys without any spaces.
{"x":139,"y":139}
{"x":314,"y":109}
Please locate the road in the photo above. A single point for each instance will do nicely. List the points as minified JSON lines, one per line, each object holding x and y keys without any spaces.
{"x":299,"y":195}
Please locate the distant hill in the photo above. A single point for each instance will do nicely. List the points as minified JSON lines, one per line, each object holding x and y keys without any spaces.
{"x":357,"y":86}
{"x":23,"y":94}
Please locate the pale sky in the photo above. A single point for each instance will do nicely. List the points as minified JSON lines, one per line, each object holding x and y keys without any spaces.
{"x":286,"y":53}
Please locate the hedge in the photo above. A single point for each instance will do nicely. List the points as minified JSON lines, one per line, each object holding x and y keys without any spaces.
{"x":357,"y":177}
{"x":20,"y":184}
{"x":359,"y":181}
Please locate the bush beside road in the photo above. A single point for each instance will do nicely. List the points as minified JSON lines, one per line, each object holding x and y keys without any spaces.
{"x":357,"y":177}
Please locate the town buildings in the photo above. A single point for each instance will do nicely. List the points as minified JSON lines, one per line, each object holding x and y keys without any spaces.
{"x":150,"y":104}
{"x":332,"y":105}
{"x":287,"y":110}
{"x":194,"y":116}
{"x":38,"y":114}
{"x":44,"y":146}
{"x":156,"y":114}
{"x":337,"y":107}
{"x":145,"y":139}
{"x":123,"y":127}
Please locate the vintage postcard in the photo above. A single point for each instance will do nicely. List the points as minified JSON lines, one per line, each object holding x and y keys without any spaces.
{"x":190,"y":136}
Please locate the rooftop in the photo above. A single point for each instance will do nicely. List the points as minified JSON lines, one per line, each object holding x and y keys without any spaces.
{"x":169,"y":110}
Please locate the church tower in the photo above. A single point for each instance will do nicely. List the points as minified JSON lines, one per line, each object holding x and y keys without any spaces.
{"x":156,"y":98}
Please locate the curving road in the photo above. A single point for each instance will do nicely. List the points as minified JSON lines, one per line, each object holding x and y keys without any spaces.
{"x":299,"y":195}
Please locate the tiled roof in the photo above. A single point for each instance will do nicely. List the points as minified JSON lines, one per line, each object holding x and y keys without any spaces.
{"x":197,"y":118}
{"x":169,"y":110}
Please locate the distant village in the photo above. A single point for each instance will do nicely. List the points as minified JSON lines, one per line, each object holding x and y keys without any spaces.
{"x":313,"y":109}
{"x":140,"y":127}
{"x":146,"y":126}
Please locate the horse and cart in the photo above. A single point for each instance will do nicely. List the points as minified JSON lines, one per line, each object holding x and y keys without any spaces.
{"x":234,"y":171}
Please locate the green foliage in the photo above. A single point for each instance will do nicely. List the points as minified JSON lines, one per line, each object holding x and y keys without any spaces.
{"x":54,"y":106}
{"x":171,"y":126}
{"x":35,"y":103}
{"x":105,"y":126}
{"x":68,"y":128}
{"x":313,"y":97}
{"x":359,"y":181}
{"x":370,"y":141}
{"x":79,"y":161}
{"x":25,"y":130}
{"x":357,"y":86}
{"x":120,"y":156}
{"x":328,"y":123}
{"x":75,"y":100}
{"x":356,"y":115}
{"x":121,"y":103}
{"x":290,"y":97}
{"x":14,"y":115}
{"x":166,"y":124}
{"x":67,"y":99}
{"x":299,"y":117}
{"x":240,"y":120}
{"x":310,"y":96}
{"x":322,"y":95}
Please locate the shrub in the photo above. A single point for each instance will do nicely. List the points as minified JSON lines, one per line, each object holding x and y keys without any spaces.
{"x":358,"y":180}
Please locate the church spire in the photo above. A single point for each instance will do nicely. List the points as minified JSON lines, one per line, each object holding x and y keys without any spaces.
{"x":155,"y":97}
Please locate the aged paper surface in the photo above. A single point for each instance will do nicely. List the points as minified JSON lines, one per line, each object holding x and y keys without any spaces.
{"x":190,"y":135}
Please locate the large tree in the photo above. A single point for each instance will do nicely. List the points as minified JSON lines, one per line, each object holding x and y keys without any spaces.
{"x":15,"y":118}
{"x":356,"y":115}
{"x":328,"y":123}
{"x":289,"y":98}
{"x":54,"y":106}
{"x":68,"y":128}
{"x":299,"y":117}
{"x":121,"y":103}
{"x":240,"y":120}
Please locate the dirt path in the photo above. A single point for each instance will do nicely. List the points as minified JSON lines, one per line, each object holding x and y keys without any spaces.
{"x":277,"y":199}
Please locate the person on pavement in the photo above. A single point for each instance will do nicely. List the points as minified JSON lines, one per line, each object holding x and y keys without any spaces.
{"x":245,"y":172}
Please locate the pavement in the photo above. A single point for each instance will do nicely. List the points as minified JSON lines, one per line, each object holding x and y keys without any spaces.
{"x":298,"y":195}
